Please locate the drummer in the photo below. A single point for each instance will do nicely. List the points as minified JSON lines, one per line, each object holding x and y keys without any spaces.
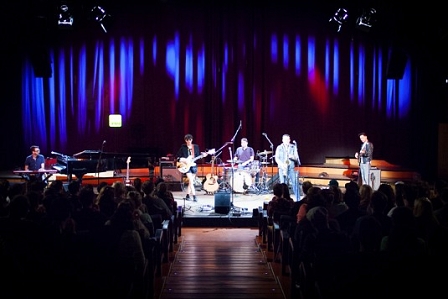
{"x":244,"y":155}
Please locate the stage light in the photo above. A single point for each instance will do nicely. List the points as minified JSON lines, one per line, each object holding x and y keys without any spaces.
{"x":100,"y":15}
{"x":340,"y":17}
{"x":65,"y":17}
{"x":366,"y":20}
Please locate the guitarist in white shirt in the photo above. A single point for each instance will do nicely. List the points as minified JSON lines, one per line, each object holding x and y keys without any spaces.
{"x":186,"y":154}
{"x":287,"y":156}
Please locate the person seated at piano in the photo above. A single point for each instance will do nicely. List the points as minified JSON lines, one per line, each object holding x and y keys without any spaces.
{"x":34,"y":162}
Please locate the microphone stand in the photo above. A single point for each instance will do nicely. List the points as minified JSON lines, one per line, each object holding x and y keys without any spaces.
{"x":233,"y":176}
{"x":98,"y":164}
{"x":219,"y":152}
{"x":236,"y":133}
{"x":272,"y":150}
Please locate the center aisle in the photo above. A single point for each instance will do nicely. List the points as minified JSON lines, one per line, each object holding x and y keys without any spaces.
{"x":220,"y":263}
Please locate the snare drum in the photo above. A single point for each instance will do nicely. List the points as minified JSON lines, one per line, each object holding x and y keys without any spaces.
{"x":241,"y":181}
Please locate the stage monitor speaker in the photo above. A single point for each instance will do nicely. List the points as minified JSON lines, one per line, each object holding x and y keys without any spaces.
{"x":170,"y":174}
{"x":222,"y":202}
{"x":375,"y":178}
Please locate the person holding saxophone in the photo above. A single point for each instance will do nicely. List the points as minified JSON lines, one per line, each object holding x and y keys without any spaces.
{"x":287,"y":157}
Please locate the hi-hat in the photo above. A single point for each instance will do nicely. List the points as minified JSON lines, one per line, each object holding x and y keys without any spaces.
{"x":264,"y":153}
{"x":223,"y":165}
{"x":265,"y":163}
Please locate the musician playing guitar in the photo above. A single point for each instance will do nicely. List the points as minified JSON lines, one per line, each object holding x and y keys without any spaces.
{"x":187,"y":154}
{"x":364,"y":157}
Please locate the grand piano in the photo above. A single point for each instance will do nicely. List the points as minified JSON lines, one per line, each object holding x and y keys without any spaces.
{"x":87,"y":161}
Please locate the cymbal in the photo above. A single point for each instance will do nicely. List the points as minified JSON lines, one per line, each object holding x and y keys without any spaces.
{"x":265,"y":163}
{"x":238,"y":161}
{"x":223,"y":164}
{"x":264,"y":153}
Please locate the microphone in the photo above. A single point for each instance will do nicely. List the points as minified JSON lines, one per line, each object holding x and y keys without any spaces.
{"x":104,"y":142}
{"x":295,"y":143}
{"x":263,"y":134}
{"x":241,"y":124}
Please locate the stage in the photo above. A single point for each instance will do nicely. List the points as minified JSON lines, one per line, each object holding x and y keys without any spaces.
{"x":222,"y":209}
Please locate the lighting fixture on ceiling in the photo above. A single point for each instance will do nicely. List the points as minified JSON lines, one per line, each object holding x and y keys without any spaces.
{"x":340,"y":17}
{"x":65,"y":17}
{"x":366,"y":20}
{"x":100,"y":15}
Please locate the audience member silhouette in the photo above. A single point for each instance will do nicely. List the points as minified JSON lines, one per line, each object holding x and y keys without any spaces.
{"x":389,"y":191}
{"x":442,"y":213}
{"x":365,"y":192}
{"x":155,"y":205}
{"x":162,"y":192}
{"x":403,"y":241}
{"x":306,"y":185}
{"x":279,"y":205}
{"x":105,"y":201}
{"x":436,"y":199}
{"x":326,"y":250}
{"x":348,"y":218}
{"x":88,"y":218}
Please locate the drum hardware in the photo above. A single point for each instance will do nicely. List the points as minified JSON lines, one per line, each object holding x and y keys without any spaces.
{"x":262,"y":185}
{"x":264,"y":153}
{"x":236,"y":161}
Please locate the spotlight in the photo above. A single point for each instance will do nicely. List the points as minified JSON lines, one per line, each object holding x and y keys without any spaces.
{"x":340,"y":17}
{"x":65,"y":18}
{"x":366,"y":20}
{"x":100,"y":15}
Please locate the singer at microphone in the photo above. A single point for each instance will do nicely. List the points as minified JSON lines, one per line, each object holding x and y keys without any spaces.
{"x":287,"y":157}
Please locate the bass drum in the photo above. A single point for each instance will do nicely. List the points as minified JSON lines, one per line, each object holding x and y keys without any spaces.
{"x":241,"y":182}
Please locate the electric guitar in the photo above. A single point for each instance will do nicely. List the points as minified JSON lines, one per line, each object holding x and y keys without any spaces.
{"x":184,"y":164}
{"x":211,"y":183}
{"x":128,"y":181}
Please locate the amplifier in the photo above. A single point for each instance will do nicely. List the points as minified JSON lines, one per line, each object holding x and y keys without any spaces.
{"x":170,"y":174}
{"x":375,"y":178}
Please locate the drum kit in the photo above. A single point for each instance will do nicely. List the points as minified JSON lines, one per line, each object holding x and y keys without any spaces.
{"x":242,"y":180}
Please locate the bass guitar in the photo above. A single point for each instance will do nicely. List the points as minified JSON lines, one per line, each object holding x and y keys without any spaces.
{"x":211,"y":183}
{"x":184,"y":164}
